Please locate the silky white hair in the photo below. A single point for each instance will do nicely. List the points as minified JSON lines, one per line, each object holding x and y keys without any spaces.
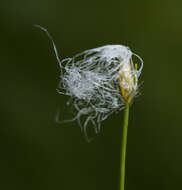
{"x":90,"y":79}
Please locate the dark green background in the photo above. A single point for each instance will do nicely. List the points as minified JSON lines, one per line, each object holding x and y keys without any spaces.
{"x":37,"y":153}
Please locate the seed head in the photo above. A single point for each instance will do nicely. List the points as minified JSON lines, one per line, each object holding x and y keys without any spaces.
{"x":98,"y":82}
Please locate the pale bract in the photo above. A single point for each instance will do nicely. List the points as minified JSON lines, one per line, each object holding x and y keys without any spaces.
{"x":90,"y":79}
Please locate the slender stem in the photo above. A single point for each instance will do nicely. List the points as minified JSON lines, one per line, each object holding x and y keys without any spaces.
{"x":123,"y":148}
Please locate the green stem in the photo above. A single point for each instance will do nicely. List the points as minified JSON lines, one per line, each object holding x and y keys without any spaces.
{"x":123,"y":148}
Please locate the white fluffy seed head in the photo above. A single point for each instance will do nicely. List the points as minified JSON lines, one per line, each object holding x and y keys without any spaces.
{"x":98,"y":81}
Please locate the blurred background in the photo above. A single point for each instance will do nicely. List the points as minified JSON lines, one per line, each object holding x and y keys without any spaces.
{"x":36,"y":152}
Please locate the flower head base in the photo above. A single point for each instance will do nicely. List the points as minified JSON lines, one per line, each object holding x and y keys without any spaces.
{"x":99,"y":82}
{"x":127,"y":82}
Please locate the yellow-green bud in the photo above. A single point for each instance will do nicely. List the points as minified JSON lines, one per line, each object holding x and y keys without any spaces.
{"x":127,"y":82}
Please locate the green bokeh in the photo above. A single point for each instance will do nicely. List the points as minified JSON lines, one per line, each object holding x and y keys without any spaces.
{"x":37,"y":153}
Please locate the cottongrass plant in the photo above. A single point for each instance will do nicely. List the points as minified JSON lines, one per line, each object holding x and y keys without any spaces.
{"x":99,"y":82}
